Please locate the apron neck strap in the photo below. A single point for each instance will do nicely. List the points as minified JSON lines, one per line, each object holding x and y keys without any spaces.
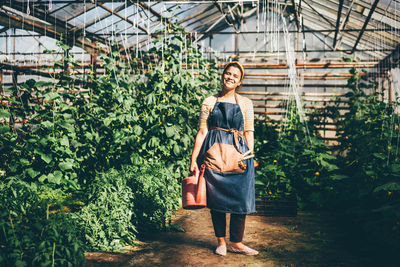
{"x":236,"y":98}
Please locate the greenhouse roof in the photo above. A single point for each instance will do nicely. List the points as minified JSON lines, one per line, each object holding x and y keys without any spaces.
{"x":367,"y":29}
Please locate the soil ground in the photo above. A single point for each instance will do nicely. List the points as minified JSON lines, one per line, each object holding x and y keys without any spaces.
{"x":310,"y":239}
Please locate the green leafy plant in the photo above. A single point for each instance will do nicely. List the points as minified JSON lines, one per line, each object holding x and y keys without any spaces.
{"x":369,"y":160}
{"x":107,"y":219}
{"x":31,"y":235}
{"x":293,"y":161}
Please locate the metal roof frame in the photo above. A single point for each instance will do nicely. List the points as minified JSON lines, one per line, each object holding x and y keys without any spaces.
{"x":356,"y":22}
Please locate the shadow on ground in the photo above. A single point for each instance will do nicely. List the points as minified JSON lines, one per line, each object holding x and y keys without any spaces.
{"x":306,"y":240}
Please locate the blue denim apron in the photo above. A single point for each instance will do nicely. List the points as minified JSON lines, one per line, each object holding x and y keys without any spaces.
{"x":228,"y":192}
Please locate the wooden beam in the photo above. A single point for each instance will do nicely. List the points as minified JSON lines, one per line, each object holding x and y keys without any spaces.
{"x":309,"y":94}
{"x":319,"y":85}
{"x":311,"y":65}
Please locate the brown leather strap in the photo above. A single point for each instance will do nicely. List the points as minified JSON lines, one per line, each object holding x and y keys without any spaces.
{"x":236,"y":135}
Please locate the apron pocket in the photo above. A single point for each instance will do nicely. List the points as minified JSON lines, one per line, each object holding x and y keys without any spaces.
{"x":223,"y":158}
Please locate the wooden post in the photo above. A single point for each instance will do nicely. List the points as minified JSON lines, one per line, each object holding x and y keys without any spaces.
{"x":66,"y":64}
{"x":1,"y":83}
{"x":93,"y":60}
{"x":389,"y":89}
{"x":15,"y":84}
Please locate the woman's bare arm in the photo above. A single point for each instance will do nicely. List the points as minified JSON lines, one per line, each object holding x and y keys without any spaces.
{"x":201,"y":135}
{"x":249,"y":135}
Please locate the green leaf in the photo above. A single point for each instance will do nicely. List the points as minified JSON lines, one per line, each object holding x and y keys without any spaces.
{"x":57,"y":177}
{"x":150,"y":99}
{"x":4,"y":113}
{"x":50,"y":178}
{"x":39,"y":84}
{"x":42,"y":178}
{"x":393,"y":186}
{"x":24,"y":162}
{"x":4,"y":129}
{"x":396,"y":168}
{"x":107,"y":122}
{"x":185,"y":140}
{"x":64,"y":141}
{"x":65,"y":165}
{"x":177,"y":150}
{"x":258,"y":182}
{"x":169,"y":131}
{"x":51,"y":95}
{"x":339,"y":177}
{"x":32,"y":173}
{"x":46,"y":157}
{"x":47,"y":124}
{"x":380,"y":156}
{"x":137,"y":130}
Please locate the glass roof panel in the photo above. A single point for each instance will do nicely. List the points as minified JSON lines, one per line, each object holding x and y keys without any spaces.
{"x":88,"y":16}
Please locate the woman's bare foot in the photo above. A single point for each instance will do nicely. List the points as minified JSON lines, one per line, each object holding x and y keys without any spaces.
{"x":221,"y":248}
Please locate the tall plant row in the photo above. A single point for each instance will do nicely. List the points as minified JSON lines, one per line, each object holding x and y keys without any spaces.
{"x":112,"y":147}
{"x":122,"y":117}
{"x":359,"y":178}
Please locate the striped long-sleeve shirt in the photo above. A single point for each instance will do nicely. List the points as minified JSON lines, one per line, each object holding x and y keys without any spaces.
{"x":246,"y":105}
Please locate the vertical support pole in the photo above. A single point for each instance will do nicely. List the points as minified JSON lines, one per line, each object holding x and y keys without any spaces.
{"x":66,"y":63}
{"x":14,"y":76}
{"x":389,"y":89}
{"x":209,"y":45}
{"x":236,"y":46}
{"x":1,"y":83}
{"x":94,"y":60}
{"x":14,"y":33}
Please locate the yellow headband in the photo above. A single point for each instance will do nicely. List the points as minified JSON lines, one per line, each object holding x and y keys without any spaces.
{"x":240,"y":66}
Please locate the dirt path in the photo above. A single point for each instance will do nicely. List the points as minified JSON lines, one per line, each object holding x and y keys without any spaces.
{"x":306,"y":240}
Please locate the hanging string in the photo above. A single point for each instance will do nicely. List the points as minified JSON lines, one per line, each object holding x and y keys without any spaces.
{"x":84,"y":32}
{"x":28,"y":10}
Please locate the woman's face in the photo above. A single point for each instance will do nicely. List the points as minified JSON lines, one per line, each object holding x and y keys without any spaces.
{"x":231,"y":78}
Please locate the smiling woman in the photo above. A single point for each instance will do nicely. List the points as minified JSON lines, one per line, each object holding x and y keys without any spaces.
{"x":224,"y":144}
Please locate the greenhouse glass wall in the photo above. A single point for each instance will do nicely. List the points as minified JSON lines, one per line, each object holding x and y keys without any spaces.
{"x":96,"y":93}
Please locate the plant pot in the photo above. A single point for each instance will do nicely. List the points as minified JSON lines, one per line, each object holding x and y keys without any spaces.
{"x":285,"y":206}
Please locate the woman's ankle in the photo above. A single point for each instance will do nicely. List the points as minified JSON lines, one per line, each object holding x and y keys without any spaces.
{"x":238,"y":245}
{"x":221,"y":241}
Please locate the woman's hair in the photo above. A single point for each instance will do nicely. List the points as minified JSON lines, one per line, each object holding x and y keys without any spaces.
{"x":237,"y":65}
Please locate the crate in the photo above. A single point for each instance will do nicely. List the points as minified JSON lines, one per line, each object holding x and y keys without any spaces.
{"x":282,"y":206}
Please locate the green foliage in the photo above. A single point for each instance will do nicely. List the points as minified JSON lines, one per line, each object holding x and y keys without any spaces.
{"x":293,"y":160}
{"x":170,"y":95}
{"x":156,"y":194}
{"x":124,"y":117}
{"x":107,"y":219}
{"x":135,"y":199}
{"x":77,"y":137}
{"x":369,"y":160}
{"x":31,"y":235}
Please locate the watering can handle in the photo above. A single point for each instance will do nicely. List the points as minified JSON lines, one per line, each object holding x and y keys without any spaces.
{"x":202,"y":168}
{"x":200,"y":180}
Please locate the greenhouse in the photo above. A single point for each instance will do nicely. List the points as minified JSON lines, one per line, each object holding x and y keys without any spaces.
{"x":102,"y":107}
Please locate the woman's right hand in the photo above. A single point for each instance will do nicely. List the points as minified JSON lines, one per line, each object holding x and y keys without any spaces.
{"x":193,"y":167}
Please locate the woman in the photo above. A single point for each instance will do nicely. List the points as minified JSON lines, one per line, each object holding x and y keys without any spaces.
{"x":227,"y":128}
